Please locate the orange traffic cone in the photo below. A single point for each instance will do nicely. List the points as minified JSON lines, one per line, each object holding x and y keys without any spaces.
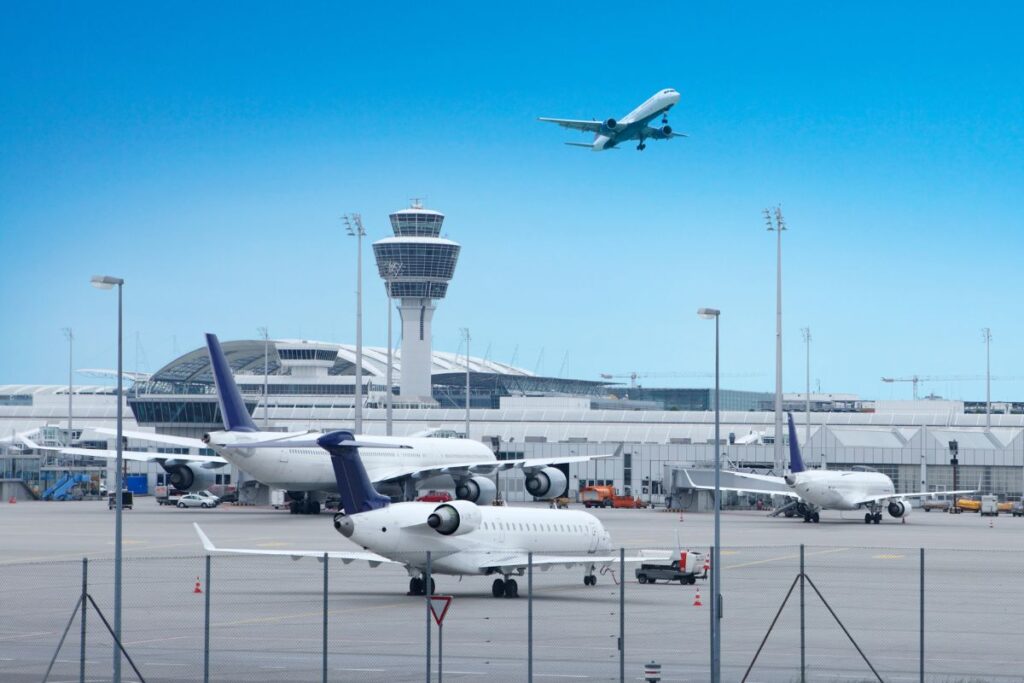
{"x":696,"y":599}
{"x":197,"y":588}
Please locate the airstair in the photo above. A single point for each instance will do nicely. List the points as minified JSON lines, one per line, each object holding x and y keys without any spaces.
{"x":62,"y":490}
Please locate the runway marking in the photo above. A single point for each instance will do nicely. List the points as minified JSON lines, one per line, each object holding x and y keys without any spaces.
{"x":561,"y":676}
{"x":28,"y":635}
{"x":784,"y":557}
{"x":888,"y":557}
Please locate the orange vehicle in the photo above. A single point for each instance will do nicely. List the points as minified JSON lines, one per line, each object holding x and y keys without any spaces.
{"x":607,"y":497}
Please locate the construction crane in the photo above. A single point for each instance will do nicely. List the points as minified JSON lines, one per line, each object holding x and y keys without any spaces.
{"x":916,"y":379}
{"x":635,"y":375}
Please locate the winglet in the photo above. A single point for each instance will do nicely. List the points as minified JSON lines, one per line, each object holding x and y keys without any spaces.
{"x":796,"y":463}
{"x":354,"y":488}
{"x":208,"y":545}
{"x":232,"y":407}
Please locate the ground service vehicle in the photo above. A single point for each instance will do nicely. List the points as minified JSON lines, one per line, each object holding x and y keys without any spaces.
{"x":607,"y":497}
{"x":127,"y":499}
{"x":1017,"y":509}
{"x":684,"y":570}
{"x":435,"y":497}
{"x":989,"y":506}
{"x":943,"y":505}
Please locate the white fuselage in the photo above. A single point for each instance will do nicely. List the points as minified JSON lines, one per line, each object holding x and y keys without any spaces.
{"x":308,"y":468}
{"x":656,"y":104}
{"x":399,"y":532}
{"x":840,"y":489}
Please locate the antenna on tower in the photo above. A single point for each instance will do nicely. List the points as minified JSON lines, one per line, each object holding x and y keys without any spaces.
{"x":417,"y":202}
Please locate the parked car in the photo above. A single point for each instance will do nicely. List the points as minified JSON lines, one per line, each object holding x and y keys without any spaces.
{"x":435,"y":497}
{"x":1018,"y":509}
{"x":213,"y":499}
{"x":194,"y":500}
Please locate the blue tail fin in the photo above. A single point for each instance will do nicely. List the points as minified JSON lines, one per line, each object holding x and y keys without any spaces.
{"x":796,"y":463}
{"x":232,"y":408}
{"x":354,"y":487}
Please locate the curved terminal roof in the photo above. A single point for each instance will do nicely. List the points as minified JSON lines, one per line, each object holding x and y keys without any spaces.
{"x":246,"y":358}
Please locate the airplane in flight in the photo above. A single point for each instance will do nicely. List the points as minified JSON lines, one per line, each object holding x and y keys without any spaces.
{"x":633,"y":126}
{"x":860,"y":488}
{"x":463,"y":539}
{"x":293,"y":462}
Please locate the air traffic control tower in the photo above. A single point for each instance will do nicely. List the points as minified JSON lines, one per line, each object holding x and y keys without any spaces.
{"x":417,"y":263}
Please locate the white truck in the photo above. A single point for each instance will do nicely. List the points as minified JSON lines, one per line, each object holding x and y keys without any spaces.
{"x":989,"y":506}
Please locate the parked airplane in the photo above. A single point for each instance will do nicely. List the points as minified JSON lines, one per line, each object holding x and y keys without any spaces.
{"x":632,"y":126}
{"x":461,"y":537}
{"x":293,"y":462}
{"x":816,"y":490}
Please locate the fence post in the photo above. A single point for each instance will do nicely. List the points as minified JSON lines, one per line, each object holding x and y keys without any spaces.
{"x":922,"y":618}
{"x":803,"y":631}
{"x":206,"y":627}
{"x":622,"y":615}
{"x":325,"y":622}
{"x":427,"y":592}
{"x":85,"y":590}
{"x":529,"y":618}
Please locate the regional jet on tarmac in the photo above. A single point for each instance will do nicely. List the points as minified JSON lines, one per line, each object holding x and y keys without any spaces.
{"x":460,"y":538}
{"x":632,"y":126}
{"x":861,"y":488}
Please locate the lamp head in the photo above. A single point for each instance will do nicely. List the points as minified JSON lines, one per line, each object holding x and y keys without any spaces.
{"x":105,"y":281}
{"x":708,"y":313}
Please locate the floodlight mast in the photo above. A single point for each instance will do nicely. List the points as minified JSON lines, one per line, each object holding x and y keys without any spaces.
{"x":777,"y":227}
{"x":986,"y":336}
{"x":465,"y":335}
{"x":806,"y":332}
{"x":266,"y":370}
{"x":354,"y":228}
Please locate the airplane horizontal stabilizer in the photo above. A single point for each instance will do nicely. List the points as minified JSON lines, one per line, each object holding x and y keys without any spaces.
{"x":343,"y":555}
{"x":580,"y":144}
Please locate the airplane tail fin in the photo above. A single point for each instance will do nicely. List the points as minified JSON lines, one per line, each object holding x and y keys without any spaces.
{"x":232,"y":408}
{"x":796,"y":463}
{"x":354,"y":488}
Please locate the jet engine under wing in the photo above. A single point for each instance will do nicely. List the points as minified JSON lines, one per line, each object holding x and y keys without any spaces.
{"x":738,"y":482}
{"x":346,"y":556}
{"x":573,"y":124}
{"x":465,"y":469}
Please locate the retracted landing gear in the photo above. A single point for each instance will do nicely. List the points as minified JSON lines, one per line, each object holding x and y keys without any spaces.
{"x":505,"y":588}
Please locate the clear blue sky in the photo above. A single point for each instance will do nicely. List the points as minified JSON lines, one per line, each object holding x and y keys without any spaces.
{"x":205,"y":155}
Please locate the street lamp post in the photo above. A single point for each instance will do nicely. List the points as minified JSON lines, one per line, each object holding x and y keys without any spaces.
{"x":108,"y":282}
{"x":465,"y":333}
{"x":354,"y":228}
{"x":70,"y":335}
{"x":391,"y":271}
{"x":986,"y":336}
{"x":716,"y":576}
{"x":264,"y":332}
{"x":806,"y":331}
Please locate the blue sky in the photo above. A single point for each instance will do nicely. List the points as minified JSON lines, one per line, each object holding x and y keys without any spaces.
{"x":205,"y":155}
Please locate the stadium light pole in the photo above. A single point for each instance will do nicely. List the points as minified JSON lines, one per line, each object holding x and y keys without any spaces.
{"x":716,"y":576}
{"x":777,"y":227}
{"x":354,"y":228}
{"x":806,"y":332}
{"x":986,"y":336}
{"x":264,"y":332}
{"x":465,"y":334}
{"x":108,"y":282}
{"x":70,"y":336}
{"x":391,"y":271}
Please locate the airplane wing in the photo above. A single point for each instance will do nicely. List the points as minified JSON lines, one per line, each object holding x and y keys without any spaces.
{"x":140,"y":456}
{"x":759,"y":483}
{"x":511,"y":561}
{"x":467,"y":469}
{"x":899,"y":496}
{"x":573,"y":124}
{"x":346,"y":556}
{"x":181,"y":441}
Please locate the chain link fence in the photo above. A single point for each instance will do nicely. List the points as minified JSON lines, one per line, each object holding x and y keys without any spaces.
{"x":790,"y":613}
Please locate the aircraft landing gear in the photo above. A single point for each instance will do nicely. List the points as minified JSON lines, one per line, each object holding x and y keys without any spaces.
{"x":589,"y":580}
{"x":873,"y":517}
{"x":812,"y":517}
{"x":505,"y":588}
{"x":303,"y":504}
{"x":664,"y":119}
{"x":416,"y":584}
{"x":641,"y":146}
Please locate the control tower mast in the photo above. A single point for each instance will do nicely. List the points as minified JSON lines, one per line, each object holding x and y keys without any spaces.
{"x":427,"y":263}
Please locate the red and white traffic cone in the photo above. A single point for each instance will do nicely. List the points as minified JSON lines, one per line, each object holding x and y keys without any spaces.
{"x":197,"y":589}
{"x":696,"y":599}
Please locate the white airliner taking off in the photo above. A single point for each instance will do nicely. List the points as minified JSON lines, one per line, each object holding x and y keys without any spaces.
{"x":292,"y":461}
{"x":463,"y":539}
{"x":815,"y":490}
{"x":633,"y":126}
